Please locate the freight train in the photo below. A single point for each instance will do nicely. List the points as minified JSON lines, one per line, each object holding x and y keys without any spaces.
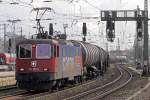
{"x":44,"y":64}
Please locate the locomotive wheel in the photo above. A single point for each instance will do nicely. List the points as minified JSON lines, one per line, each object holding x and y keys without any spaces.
{"x":58,"y":85}
{"x":76,"y":80}
{"x":81,"y":79}
{"x":29,"y":90}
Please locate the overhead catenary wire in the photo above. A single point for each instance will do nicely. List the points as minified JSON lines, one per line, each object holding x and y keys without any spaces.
{"x":91,"y":5}
{"x":19,"y":3}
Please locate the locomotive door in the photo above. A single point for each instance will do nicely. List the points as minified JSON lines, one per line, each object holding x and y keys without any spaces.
{"x":57,"y":63}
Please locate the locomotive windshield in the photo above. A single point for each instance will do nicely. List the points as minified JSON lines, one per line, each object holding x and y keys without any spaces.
{"x":43,"y":51}
{"x":25,"y":51}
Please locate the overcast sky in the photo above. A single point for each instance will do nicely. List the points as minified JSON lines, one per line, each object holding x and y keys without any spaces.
{"x":65,"y":12}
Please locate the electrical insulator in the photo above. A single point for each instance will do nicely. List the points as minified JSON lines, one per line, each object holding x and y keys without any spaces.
{"x":51,"y":30}
{"x":84,"y":39}
{"x":84,"y":29}
{"x":9,"y":45}
{"x":9,"y":42}
{"x":113,"y":26}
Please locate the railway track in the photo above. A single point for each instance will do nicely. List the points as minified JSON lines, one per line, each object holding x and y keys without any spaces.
{"x":111,"y":75}
{"x":102,"y":91}
{"x":59,"y":95}
{"x":14,"y":93}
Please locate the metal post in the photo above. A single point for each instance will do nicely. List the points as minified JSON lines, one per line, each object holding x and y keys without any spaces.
{"x":119,"y":50}
{"x":135,"y":53}
{"x":145,"y":47}
{"x":107,"y":47}
{"x":4,"y":37}
{"x":21,"y":32}
{"x":65,"y":26}
{"x":138,"y":50}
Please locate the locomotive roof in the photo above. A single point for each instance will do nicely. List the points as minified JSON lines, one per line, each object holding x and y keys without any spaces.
{"x":53,"y":41}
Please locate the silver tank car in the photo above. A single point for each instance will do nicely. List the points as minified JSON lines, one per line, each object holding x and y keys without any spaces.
{"x":92,"y":54}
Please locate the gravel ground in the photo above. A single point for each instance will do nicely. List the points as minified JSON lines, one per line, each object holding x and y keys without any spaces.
{"x":143,"y":94}
{"x":135,"y":85}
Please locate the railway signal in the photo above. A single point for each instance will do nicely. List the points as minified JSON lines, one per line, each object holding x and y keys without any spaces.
{"x":139,"y":28}
{"x":141,"y":17}
{"x":51,"y":30}
{"x":110,"y":29}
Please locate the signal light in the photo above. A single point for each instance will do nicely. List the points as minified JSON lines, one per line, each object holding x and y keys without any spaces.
{"x":110,"y":30}
{"x":139,"y":29}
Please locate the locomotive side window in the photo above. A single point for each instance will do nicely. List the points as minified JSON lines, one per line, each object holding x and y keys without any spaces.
{"x":43,"y":51}
{"x":64,"y":51}
{"x":78,"y":51}
{"x":57,"y":51}
{"x":71,"y":52}
{"x":52,"y":51}
{"x":25,"y":50}
{"x":67,"y":51}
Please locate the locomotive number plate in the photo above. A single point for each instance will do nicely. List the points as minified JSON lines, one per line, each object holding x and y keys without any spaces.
{"x":34,"y":69}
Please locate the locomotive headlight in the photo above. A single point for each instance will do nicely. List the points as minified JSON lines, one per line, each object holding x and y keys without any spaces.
{"x":21,"y":69}
{"x":45,"y":69}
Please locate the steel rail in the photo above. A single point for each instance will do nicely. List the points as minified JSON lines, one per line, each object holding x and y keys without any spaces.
{"x":20,"y":92}
{"x":7,"y":87}
{"x":85,"y":83}
{"x":95,"y":89}
{"x":114,"y":89}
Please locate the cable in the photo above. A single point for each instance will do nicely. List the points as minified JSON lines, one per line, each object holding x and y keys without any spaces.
{"x":71,"y":1}
{"x":91,"y":4}
{"x":23,"y":3}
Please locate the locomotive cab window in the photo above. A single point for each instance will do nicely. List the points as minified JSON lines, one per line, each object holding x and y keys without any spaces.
{"x":43,"y":51}
{"x":25,"y":51}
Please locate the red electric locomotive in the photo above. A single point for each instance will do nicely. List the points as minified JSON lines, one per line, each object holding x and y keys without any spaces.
{"x":45,"y":63}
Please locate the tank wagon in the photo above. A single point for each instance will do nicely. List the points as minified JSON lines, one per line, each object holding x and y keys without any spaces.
{"x":44,"y":64}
